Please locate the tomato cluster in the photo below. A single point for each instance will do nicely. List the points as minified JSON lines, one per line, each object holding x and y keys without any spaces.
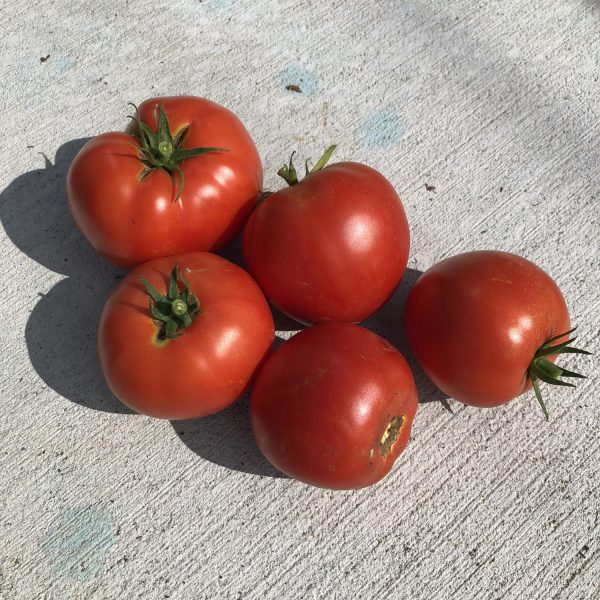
{"x":186,"y":332}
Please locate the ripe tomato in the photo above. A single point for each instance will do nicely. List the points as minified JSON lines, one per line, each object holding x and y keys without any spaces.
{"x":333,"y":406}
{"x":145,"y":195}
{"x":330,"y":248}
{"x":482,"y":326}
{"x":183,"y":343}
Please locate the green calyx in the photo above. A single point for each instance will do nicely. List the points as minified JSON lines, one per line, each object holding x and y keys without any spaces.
{"x":290,"y":175}
{"x":542,"y":369}
{"x":161,"y":150}
{"x":175,"y":311}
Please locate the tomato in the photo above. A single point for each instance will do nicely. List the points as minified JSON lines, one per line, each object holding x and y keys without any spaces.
{"x":181,"y":343}
{"x":186,"y":179}
{"x":481,"y":325}
{"x":333,"y":406}
{"x":332,"y":247}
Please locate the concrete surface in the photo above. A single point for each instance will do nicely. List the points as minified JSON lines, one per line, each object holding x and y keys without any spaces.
{"x":496,"y":104}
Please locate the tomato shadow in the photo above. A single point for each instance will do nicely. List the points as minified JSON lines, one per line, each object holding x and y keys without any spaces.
{"x":34,"y":214}
{"x":61,"y":331}
{"x":61,"y":340}
{"x":388,"y":322}
{"x":226,"y":439}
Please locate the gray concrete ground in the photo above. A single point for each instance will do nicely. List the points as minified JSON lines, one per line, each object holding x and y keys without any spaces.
{"x":494,"y":103}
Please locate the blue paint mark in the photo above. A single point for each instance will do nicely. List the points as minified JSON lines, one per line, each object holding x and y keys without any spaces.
{"x":305,"y":79}
{"x":218,"y":7}
{"x":382,"y":128}
{"x":78,"y":542}
{"x":62,"y":64}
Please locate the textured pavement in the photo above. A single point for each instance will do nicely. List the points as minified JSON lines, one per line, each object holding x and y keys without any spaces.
{"x":485,"y":117}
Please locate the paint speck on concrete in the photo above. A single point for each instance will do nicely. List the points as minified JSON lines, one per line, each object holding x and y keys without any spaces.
{"x":62,"y":64}
{"x":380,"y":129}
{"x":298,"y":80}
{"x":78,"y":541}
{"x":218,"y":7}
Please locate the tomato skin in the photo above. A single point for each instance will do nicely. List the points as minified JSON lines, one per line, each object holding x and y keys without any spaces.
{"x":129,"y":219}
{"x":205,"y":369}
{"x":330,"y":248}
{"x":475,"y":321}
{"x":323,"y":400}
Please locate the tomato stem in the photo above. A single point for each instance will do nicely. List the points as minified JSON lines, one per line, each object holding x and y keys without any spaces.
{"x":324,"y":159}
{"x":543,"y":369}
{"x":175,"y":310}
{"x":179,"y":307}
{"x":289,"y":174}
{"x":160,"y":150}
{"x":166,"y":149}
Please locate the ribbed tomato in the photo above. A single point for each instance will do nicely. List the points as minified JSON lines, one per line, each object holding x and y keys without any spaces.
{"x":185,"y":178}
{"x":182,"y":336}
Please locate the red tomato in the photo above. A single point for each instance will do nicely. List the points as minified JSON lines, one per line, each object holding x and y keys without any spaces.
{"x":481,"y":324}
{"x":330,"y":248}
{"x":333,"y":406}
{"x":223,"y":329}
{"x":131,"y":213}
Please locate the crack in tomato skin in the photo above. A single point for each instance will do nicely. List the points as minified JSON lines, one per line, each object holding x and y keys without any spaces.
{"x":390,"y":435}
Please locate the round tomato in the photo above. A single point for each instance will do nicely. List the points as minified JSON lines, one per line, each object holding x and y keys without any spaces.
{"x":330,"y":248}
{"x":334,"y":406}
{"x":182,"y":336}
{"x":186,"y":178}
{"x":486,"y":325}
